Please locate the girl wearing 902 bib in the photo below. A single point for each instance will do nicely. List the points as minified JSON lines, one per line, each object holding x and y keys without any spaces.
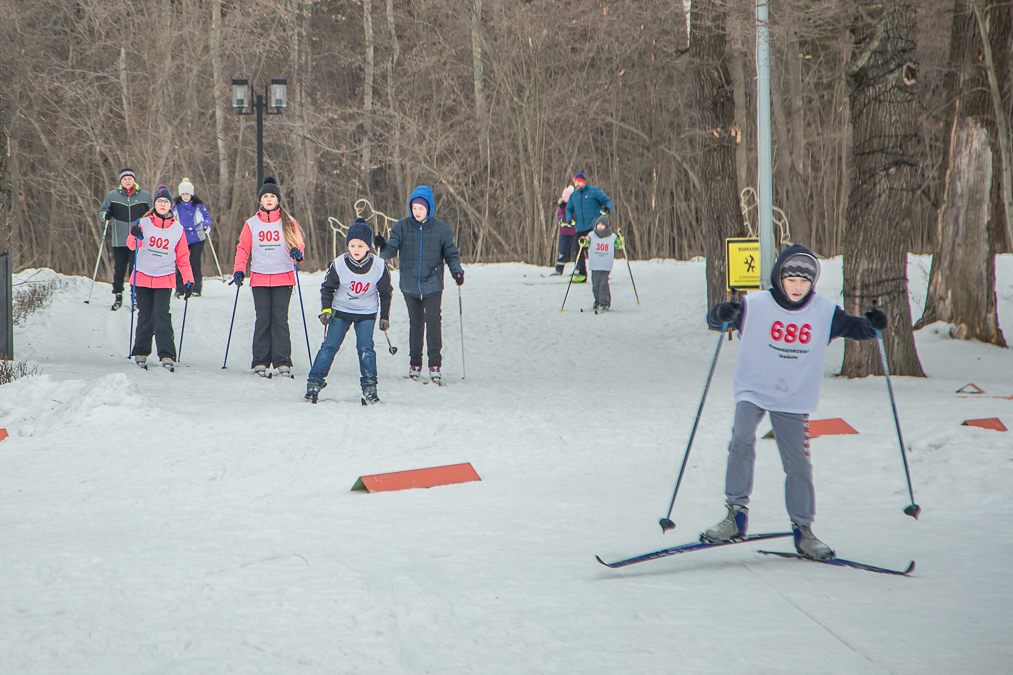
{"x":160,"y":245}
{"x":272,"y":243}
{"x":357,"y":285}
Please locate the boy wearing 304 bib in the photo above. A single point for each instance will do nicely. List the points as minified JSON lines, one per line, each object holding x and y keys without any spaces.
{"x":784,"y":336}
{"x":160,"y":245}
{"x":357,"y":285}
{"x":601,"y":244}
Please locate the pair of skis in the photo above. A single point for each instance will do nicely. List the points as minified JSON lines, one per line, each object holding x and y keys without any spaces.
{"x":701,"y":545}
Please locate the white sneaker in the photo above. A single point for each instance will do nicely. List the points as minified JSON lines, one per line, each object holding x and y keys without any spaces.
{"x":735,"y":524}
{"x":285,"y":370}
{"x":434,"y":375}
{"x":260,"y":370}
{"x":169,"y":364}
{"x":141,"y":360}
{"x":807,"y":544}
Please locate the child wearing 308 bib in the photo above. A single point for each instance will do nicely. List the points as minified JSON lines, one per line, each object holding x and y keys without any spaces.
{"x":602,"y":244}
{"x":784,"y":336}
{"x":357,"y":285}
{"x":160,"y":246}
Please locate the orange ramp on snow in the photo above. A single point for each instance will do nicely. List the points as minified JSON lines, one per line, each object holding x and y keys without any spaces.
{"x":418,"y":478}
{"x":3,"y":434}
{"x":985,"y":423}
{"x":831,"y":427}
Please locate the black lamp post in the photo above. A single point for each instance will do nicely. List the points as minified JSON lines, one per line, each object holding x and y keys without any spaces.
{"x":276,"y":95}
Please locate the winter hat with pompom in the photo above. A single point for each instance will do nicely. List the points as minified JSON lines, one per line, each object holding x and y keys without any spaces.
{"x":359,"y":230}
{"x":270,"y":187}
{"x":567,"y":192}
{"x":185,"y":187}
{"x":162,"y":193}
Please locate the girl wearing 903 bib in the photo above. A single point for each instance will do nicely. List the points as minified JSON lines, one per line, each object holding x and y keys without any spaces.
{"x":160,"y":245}
{"x":271,"y":243}
{"x":356,"y":287}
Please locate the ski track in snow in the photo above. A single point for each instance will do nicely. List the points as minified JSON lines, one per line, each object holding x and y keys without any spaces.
{"x":202,"y":521}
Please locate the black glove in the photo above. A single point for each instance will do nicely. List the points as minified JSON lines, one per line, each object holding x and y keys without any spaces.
{"x":104,"y":215}
{"x":458,"y":277}
{"x":877,"y":318}
{"x":379,"y":242}
{"x":295,"y":254}
{"x":384,"y":325}
{"x":727,"y":312}
{"x":325,"y":316}
{"x":604,"y":211}
{"x":189,"y":290}
{"x":137,"y":231}
{"x":237,"y":279}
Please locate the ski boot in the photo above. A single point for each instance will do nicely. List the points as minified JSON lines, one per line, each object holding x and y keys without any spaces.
{"x":262,"y":371}
{"x":579,"y":278}
{"x":414,"y":373}
{"x":169,"y":364}
{"x":369,"y":395}
{"x":734,"y":526}
{"x":141,"y":360}
{"x":286,"y":371}
{"x":434,"y":375}
{"x":117,"y":302}
{"x":313,"y":391}
{"x":558,"y":272}
{"x":808,"y":545}
{"x":604,"y":308}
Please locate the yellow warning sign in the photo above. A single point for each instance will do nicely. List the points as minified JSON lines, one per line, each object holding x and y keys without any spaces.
{"x":742,"y":258}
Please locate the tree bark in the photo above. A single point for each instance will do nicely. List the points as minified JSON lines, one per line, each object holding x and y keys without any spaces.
{"x":395,"y":52}
{"x":220,"y":85}
{"x":367,"y":97}
{"x":718,"y":197}
{"x":884,"y":178}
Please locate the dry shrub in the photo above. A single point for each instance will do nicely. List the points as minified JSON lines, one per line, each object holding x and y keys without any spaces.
{"x":13,"y":370}
{"x":36,"y":296}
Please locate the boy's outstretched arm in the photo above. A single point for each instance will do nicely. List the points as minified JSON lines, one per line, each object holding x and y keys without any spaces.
{"x":730,"y":313}
{"x":853,"y":327}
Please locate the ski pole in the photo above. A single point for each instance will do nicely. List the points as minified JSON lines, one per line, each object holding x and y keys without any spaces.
{"x":666,"y":522}
{"x":460,"y":309}
{"x":913,"y":510}
{"x":229,"y":341}
{"x":208,"y":233}
{"x":391,"y":348}
{"x":626,"y":255}
{"x":98,"y":259}
{"x":133,"y":297}
{"x":571,"y":277}
{"x":182,"y":329}
{"x":306,"y":330}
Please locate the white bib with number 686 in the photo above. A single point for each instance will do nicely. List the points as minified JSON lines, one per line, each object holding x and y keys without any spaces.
{"x":269,"y":252}
{"x":156,"y":256}
{"x":782,"y":356}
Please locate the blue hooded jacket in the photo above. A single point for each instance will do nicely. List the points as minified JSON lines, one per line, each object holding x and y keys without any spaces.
{"x":422,"y":250}
{"x":585,"y":206}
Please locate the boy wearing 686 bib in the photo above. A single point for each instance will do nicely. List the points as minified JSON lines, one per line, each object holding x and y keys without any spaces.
{"x":784,"y":335}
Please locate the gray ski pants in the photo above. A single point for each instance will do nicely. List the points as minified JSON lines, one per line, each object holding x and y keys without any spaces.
{"x":600,"y":287}
{"x":791,"y":431}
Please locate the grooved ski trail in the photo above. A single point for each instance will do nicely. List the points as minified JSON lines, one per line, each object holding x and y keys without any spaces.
{"x":202,"y":521}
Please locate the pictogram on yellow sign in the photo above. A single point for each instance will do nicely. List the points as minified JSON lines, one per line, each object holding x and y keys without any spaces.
{"x":742,"y":258}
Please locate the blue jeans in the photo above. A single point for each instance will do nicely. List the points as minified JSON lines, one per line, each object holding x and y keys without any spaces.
{"x":332,"y":342}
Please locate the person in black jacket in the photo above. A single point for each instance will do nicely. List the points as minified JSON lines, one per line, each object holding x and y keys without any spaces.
{"x":356,"y":286}
{"x":423,"y":244}
{"x":123,"y":206}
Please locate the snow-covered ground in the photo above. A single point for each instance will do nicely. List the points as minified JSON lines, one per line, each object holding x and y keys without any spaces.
{"x":202,"y":521}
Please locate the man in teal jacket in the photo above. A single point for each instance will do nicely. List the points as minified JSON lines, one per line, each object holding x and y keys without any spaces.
{"x":586,"y":203}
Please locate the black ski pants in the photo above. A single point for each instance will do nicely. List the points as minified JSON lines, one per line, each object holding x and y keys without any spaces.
{"x":272,"y":344}
{"x":582,"y":257}
{"x":196,"y":249}
{"x":154,"y":319}
{"x":425,"y":315}
{"x":122,"y":258}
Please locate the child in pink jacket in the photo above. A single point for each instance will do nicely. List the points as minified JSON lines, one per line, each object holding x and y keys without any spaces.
{"x":272,"y":244}
{"x":159,"y":246}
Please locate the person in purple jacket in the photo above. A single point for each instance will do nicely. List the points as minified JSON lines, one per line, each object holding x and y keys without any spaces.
{"x":783,"y":337}
{"x":196,"y":221}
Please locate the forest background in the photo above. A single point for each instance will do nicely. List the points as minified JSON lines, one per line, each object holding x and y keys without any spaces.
{"x":890,"y":127}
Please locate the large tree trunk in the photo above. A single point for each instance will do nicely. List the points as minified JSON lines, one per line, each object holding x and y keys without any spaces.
{"x":718,"y":197}
{"x":884,"y":178}
{"x":395,"y":52}
{"x":962,"y":279}
{"x":220,"y":86}
{"x":367,"y":98}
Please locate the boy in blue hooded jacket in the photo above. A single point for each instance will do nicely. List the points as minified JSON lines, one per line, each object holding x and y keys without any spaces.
{"x":424,"y":245}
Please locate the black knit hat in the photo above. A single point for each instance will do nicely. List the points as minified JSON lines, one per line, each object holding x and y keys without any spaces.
{"x":270,"y":187}
{"x":127,"y":172}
